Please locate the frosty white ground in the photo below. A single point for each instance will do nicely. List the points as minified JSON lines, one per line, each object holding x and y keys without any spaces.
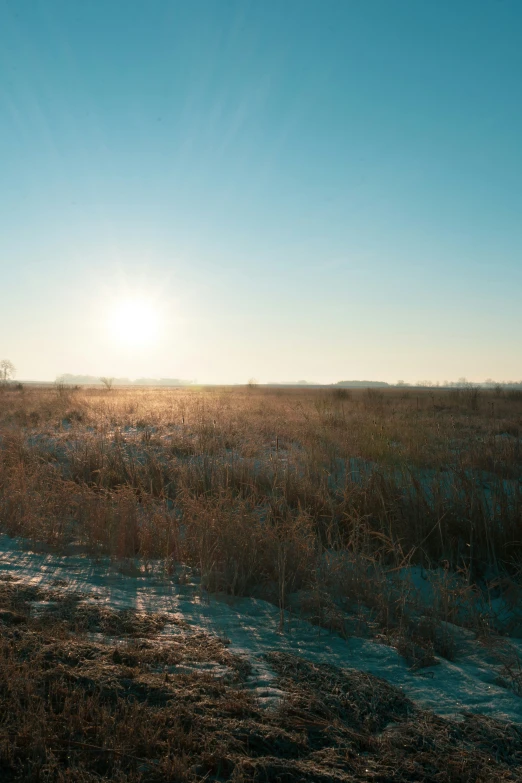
{"x":253,"y":628}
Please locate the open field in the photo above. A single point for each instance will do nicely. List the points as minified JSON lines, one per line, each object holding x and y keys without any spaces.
{"x":200,"y":584}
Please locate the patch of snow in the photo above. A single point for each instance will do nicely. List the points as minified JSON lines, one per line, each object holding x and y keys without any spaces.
{"x":253,"y":628}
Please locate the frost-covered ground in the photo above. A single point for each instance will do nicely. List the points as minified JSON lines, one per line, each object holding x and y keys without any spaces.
{"x":132,"y":444}
{"x":253,"y":627}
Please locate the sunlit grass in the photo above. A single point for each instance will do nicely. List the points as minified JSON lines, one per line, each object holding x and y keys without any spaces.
{"x":253,"y":486}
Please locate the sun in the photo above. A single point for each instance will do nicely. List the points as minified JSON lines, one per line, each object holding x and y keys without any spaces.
{"x":134,"y":322}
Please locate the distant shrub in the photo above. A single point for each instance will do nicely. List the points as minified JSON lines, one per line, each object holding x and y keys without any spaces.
{"x":472,"y":395}
{"x":373,"y":398}
{"x":467,"y":395}
{"x":341,"y":394}
{"x":514,"y":394}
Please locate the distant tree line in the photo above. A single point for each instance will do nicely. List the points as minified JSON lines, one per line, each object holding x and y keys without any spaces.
{"x":109,"y":382}
{"x":362,"y":384}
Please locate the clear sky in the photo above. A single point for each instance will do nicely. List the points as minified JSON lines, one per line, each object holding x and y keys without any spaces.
{"x":280,"y":189}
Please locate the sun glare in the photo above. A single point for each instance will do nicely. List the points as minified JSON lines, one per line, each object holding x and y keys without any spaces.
{"x":134,"y":322}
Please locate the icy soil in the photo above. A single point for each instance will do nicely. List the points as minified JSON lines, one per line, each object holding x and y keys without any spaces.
{"x":253,"y":628}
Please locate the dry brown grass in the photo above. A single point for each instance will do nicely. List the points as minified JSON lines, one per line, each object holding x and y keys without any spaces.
{"x":126,"y":709}
{"x":254,"y":486}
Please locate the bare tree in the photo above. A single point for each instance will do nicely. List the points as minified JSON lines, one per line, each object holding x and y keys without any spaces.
{"x":7,"y":371}
{"x":107,"y":382}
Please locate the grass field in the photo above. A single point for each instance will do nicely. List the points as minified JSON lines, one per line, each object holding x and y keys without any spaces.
{"x":393,"y":516}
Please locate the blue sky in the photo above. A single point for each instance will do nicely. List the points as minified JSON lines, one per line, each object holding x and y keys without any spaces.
{"x":320,"y":190}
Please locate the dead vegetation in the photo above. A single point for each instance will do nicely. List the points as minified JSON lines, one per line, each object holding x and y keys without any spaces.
{"x":315,"y":500}
{"x":74,"y":707}
{"x":439,"y":479}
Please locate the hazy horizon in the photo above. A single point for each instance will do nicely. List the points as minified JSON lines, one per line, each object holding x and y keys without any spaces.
{"x":226,"y":190}
{"x":117,"y":382}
